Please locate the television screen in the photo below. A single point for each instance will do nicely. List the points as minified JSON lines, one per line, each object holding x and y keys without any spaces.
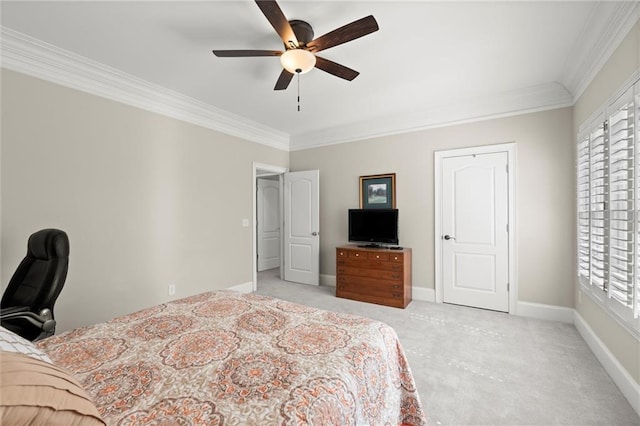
{"x":374,"y":226}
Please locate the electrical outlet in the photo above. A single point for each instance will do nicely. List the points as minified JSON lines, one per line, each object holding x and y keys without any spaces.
{"x":172,"y":290}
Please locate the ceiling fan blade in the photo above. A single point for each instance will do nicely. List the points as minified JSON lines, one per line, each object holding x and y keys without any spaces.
{"x":283,"y":80}
{"x":336,"y":69}
{"x":278,"y":21}
{"x":349,"y":32}
{"x":245,"y":53}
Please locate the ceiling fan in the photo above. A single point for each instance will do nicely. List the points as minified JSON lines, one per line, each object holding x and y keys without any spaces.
{"x":300,"y":51}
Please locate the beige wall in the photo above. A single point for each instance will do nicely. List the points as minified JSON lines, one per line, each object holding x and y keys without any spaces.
{"x":618,"y":69}
{"x":147,"y":200}
{"x":544,"y":205}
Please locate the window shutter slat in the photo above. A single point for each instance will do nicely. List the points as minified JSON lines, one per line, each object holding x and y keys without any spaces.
{"x":583,"y":209}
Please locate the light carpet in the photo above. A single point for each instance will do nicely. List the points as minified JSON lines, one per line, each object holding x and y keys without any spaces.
{"x":477,"y":367}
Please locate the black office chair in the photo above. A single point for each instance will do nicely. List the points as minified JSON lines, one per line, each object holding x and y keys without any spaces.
{"x":27,"y":303}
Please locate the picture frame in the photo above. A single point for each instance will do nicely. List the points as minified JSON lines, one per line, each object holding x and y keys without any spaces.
{"x":378,"y":191}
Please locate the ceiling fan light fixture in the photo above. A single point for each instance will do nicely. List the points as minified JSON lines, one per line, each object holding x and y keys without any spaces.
{"x":298,"y":61}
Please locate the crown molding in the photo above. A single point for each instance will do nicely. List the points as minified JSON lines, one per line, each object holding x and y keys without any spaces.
{"x":600,"y":38}
{"x":36,"y":58}
{"x":523,"y":101}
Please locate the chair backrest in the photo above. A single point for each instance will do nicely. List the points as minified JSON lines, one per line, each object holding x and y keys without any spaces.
{"x":40,"y":276}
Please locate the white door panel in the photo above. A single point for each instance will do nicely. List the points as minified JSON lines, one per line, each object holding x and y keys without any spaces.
{"x":302,"y":222}
{"x":474,"y":272}
{"x":475,"y":244}
{"x":473,"y":187}
{"x":300,"y":259}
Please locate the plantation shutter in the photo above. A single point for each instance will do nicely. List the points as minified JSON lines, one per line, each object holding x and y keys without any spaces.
{"x":583,"y":210}
{"x":598,"y":226}
{"x":608,"y":207}
{"x":636,"y":308}
{"x":622,"y":215}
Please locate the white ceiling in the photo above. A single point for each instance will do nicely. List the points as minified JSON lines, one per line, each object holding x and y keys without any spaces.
{"x":431,"y":63}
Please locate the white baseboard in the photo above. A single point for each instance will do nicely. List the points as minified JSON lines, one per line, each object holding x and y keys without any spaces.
{"x":627,"y":385}
{"x":242,"y":288}
{"x":328,"y":280}
{"x":423,"y":294}
{"x":544,"y":312}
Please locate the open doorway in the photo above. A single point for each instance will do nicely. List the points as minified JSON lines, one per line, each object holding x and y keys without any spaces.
{"x":267,"y":221}
{"x":298,"y":219}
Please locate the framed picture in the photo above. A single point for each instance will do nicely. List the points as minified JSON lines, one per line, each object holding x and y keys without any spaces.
{"x":378,"y":191}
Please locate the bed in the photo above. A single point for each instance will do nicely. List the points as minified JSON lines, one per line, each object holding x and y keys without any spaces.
{"x":240,"y":359}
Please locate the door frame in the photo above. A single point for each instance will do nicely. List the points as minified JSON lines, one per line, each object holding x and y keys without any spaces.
{"x":273,"y":170}
{"x":439,"y":156}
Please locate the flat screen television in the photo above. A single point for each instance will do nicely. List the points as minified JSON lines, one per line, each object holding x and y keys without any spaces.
{"x":375,"y":227}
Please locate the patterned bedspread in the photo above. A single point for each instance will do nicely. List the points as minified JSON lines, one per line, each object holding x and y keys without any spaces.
{"x":241,"y":359}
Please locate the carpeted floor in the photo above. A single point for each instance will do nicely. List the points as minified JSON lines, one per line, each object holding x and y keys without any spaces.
{"x":476,"y":367}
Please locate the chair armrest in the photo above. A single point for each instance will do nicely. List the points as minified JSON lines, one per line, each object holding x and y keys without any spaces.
{"x":44,"y":320}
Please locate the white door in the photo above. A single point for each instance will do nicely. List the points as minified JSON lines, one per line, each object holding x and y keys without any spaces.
{"x":301,"y":227}
{"x":475,"y":240}
{"x":268,"y":223}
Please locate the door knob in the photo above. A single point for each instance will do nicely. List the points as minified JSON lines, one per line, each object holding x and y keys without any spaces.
{"x":448,"y":237}
{"x":315,"y":234}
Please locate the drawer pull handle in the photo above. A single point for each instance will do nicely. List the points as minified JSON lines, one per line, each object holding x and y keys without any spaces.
{"x":396,"y":286}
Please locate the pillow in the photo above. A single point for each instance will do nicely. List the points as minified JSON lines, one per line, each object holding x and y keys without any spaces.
{"x":11,"y":342}
{"x":35,"y":392}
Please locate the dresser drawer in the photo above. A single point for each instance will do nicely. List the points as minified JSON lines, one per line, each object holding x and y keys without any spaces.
{"x":379,"y":290}
{"x":379,"y":274}
{"x":341,"y":254}
{"x":378,"y":256}
{"x":367,"y":282}
{"x":357,"y":254}
{"x":370,"y":264}
{"x":370,"y":298}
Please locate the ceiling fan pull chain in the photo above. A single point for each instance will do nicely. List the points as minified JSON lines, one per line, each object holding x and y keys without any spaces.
{"x":298,"y":92}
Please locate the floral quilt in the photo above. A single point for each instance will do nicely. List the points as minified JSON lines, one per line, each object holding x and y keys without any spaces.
{"x":226,"y":358}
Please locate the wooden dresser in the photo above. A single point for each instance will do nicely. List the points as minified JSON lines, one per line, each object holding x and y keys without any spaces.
{"x":375,"y":275}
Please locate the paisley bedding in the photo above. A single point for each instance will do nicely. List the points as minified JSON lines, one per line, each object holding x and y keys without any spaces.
{"x":226,"y":358}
